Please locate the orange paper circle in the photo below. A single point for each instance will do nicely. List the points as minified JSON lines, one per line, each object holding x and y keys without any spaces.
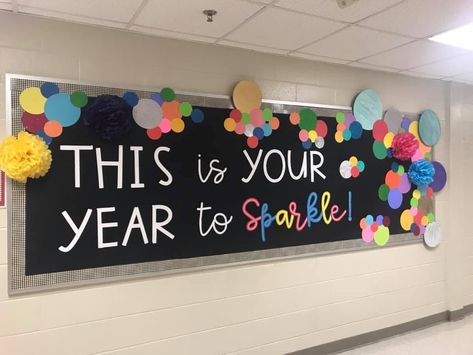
{"x":247,"y":96}
{"x":53,"y":129}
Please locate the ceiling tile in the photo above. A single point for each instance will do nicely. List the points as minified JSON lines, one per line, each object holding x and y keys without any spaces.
{"x":330,"y":9}
{"x":186,"y":16}
{"x":283,"y":29}
{"x":252,"y":47}
{"x":421,"y":18}
{"x":354,"y":42}
{"x":448,"y":67}
{"x":372,"y":67}
{"x":111,"y":10}
{"x":171,"y":34}
{"x":318,"y":58}
{"x":413,"y":55}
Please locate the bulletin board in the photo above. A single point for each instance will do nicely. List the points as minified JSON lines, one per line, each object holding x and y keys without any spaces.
{"x":193,"y":194}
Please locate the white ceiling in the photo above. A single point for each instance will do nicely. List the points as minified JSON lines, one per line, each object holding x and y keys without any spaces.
{"x":386,"y":35}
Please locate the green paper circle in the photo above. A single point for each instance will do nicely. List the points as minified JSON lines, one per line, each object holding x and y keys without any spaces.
{"x":429,"y":128}
{"x":368,"y":108}
{"x":245,"y":117}
{"x":400,"y":170}
{"x":185,"y":108}
{"x":379,"y":150}
{"x":308,"y":119}
{"x":414,"y":202}
{"x":340,"y":117}
{"x":79,"y":99}
{"x":381,"y":236}
{"x":168,"y":94}
{"x":383,"y":192}
{"x":267,"y":114}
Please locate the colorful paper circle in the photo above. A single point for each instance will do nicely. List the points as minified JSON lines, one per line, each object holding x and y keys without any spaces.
{"x":367,"y":108}
{"x":432,"y":235}
{"x":60,"y":108}
{"x":247,"y":96}
{"x":393,"y":119}
{"x":429,"y":128}
{"x":440,"y":177}
{"x":147,"y":113}
{"x":32,"y":101}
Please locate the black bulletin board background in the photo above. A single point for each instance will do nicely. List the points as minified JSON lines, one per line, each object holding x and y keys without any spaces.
{"x":46,"y":198}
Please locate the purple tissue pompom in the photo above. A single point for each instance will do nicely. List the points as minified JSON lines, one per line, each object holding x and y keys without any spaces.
{"x":110,"y":116}
{"x":421,"y":173}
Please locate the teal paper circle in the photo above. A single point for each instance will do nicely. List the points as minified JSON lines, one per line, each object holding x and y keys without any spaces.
{"x":429,"y":128}
{"x":368,"y":108}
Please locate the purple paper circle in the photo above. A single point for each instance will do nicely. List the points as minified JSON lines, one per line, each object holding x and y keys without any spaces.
{"x":405,"y":184}
{"x":395,"y":199}
{"x":440,"y":177}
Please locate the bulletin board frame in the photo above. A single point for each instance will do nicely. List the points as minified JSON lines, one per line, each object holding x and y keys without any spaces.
{"x":20,"y":283}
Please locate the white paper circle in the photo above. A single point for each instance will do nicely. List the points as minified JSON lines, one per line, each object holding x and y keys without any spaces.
{"x":345,"y":169}
{"x":147,"y":113}
{"x":393,"y":119}
{"x":319,"y":142}
{"x":432,"y":235}
{"x":249,"y":128}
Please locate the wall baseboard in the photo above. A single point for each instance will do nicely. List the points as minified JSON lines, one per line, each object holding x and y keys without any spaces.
{"x":377,"y":335}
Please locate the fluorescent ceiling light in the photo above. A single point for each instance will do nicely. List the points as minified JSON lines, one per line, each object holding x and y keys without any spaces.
{"x":459,"y":37}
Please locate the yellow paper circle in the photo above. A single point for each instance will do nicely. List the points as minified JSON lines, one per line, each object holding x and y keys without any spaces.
{"x":247,"y":96}
{"x":32,"y":101}
{"x":388,"y":139}
{"x":312,"y":136}
{"x":406,"y":220}
{"x":177,"y":125}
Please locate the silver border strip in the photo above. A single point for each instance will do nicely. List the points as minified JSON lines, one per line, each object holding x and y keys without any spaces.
{"x":19,"y":283}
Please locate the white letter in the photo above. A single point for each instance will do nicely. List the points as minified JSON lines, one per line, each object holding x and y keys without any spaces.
{"x":77,"y":231}
{"x":162,"y":167}
{"x":101,"y":226}
{"x":252,"y":165}
{"x":315,"y":168}
{"x":118,"y":164}
{"x":302,"y":172}
{"x":76,"y":149}
{"x":265,"y":166}
{"x":136,"y":156}
{"x":132,"y":224}
{"x":158,"y":225}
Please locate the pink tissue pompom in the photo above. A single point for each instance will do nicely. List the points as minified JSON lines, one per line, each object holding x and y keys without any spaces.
{"x":404,"y":145}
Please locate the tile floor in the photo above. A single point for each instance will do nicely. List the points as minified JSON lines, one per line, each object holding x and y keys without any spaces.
{"x":448,"y":338}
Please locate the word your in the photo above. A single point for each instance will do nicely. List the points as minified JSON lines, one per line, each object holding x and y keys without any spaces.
{"x":291,"y":218}
{"x":118,"y":164}
{"x":135,"y":222}
{"x":311,"y":162}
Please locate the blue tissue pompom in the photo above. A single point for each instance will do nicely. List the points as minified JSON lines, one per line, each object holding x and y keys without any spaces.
{"x":421,"y":173}
{"x":110,"y":116}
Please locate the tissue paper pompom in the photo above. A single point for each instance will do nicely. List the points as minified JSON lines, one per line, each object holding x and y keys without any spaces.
{"x":404,"y":145}
{"x":110,"y":116}
{"x":24,"y":157}
{"x":421,"y":173}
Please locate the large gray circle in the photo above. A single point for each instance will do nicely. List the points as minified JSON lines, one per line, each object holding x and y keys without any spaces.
{"x":147,"y":113}
{"x":393,"y":119}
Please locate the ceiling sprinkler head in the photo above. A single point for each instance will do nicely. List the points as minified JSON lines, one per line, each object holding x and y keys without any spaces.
{"x":210,"y":14}
{"x":345,"y":3}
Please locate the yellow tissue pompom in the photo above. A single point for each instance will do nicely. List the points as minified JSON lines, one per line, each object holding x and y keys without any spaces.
{"x":27,"y":156}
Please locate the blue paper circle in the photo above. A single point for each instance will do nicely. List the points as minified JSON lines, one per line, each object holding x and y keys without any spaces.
{"x":45,"y":137}
{"x":60,"y":108}
{"x":157,"y":97}
{"x":368,"y":108}
{"x":395,"y":199}
{"x":131,"y":98}
{"x":197,"y":116}
{"x":49,"y":89}
{"x":369,"y":219}
{"x":307,"y":144}
{"x":267,"y":130}
{"x":429,"y":127}
{"x":259,"y":133}
{"x":356,"y":130}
